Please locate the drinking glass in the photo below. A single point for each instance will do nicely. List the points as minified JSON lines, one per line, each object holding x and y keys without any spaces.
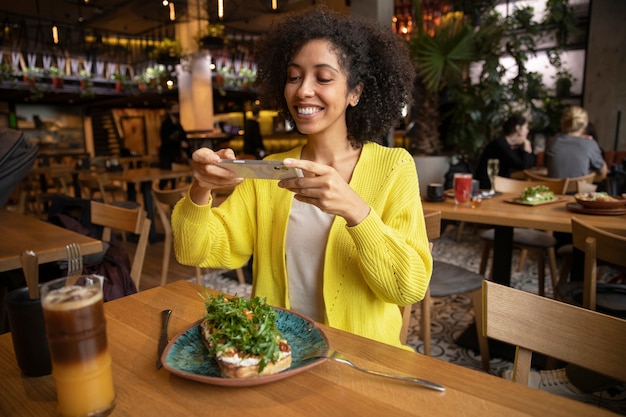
{"x":493,"y":168}
{"x":81,"y":364}
{"x":462,"y":188}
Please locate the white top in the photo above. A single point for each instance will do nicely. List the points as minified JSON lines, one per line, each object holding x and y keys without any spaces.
{"x":307,"y":234}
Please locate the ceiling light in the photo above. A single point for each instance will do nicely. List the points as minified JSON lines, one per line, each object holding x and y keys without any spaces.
{"x":55,"y":34}
{"x":172,"y":12}
{"x":220,"y":8}
{"x":165,"y":3}
{"x":274,"y":4}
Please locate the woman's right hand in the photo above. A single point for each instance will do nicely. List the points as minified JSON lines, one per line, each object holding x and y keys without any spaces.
{"x":208,"y":176}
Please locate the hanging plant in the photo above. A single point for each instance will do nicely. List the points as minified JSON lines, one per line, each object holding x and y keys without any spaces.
{"x":167,"y":52}
{"x":211,"y":37}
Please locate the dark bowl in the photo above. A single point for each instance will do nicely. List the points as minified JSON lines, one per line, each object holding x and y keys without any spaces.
{"x":601,"y":204}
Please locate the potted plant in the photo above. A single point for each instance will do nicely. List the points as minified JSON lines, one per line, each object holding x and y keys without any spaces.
{"x":248,"y":77}
{"x":154,"y":75}
{"x":30,"y":74}
{"x":6,"y":72}
{"x":211,"y":37}
{"x":141,"y":81}
{"x":57,"y":76}
{"x":86,"y":84}
{"x":120,"y":81}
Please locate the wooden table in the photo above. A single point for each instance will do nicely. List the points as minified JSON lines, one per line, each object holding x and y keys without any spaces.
{"x":20,"y":233}
{"x":145,"y":177}
{"x":330,"y":389}
{"x":505,"y":216}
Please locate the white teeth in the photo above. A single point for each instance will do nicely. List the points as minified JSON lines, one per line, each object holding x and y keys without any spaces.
{"x":307,"y":110}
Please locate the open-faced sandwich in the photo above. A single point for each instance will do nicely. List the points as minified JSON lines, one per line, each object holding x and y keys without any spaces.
{"x":243,"y":338}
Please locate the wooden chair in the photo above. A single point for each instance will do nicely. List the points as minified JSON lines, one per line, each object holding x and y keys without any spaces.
{"x":447,"y":279}
{"x":537,"y":324}
{"x":98,"y":184}
{"x":528,"y":240}
{"x":32,"y":197}
{"x":165,"y":200}
{"x":571,"y":184}
{"x":597,"y":245}
{"x":128,"y":220}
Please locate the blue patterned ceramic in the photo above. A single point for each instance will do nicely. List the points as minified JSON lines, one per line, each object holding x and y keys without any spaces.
{"x":187,"y":356}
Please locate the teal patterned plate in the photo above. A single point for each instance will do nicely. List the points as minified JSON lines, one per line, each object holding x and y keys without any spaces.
{"x":187,"y":356}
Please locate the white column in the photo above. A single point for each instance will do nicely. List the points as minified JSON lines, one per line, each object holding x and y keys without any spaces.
{"x":195,"y":88}
{"x":379,"y":10}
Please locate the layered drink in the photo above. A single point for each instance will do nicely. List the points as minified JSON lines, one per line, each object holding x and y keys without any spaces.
{"x":81,"y":363}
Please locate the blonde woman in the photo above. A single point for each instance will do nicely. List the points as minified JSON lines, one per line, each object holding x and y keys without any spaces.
{"x":573,"y":153}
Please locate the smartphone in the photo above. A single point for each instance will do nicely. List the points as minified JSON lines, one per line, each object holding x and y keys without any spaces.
{"x":253,"y":168}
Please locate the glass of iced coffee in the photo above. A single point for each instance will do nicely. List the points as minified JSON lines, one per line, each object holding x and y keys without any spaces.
{"x":76,"y":329}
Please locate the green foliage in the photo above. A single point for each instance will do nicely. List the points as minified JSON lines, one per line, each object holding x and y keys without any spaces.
{"x":167,"y":48}
{"x":56,"y":72}
{"x":474,"y":107}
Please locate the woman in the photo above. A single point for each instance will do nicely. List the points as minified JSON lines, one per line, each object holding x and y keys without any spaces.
{"x":346,"y":244}
{"x":573,"y":153}
{"x":512,"y":149}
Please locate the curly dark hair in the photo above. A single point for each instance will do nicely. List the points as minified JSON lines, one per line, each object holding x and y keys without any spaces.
{"x":512,"y":122}
{"x":368,"y":53}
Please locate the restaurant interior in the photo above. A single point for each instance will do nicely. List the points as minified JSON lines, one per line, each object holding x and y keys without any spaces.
{"x":86,"y":84}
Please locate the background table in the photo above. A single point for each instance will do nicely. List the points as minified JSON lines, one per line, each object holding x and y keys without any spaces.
{"x":20,"y":232}
{"x":505,"y":216}
{"x":330,"y":389}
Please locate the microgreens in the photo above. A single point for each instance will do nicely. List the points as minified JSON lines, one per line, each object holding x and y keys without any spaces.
{"x":248,"y":326}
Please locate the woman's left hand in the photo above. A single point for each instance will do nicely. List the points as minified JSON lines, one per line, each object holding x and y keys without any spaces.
{"x":324,"y":187}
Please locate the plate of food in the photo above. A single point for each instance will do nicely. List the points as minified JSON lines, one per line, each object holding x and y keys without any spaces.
{"x":535,"y":196}
{"x":599,"y":200}
{"x":243,"y":343}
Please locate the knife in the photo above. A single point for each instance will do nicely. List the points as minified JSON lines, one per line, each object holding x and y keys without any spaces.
{"x":165,"y":320}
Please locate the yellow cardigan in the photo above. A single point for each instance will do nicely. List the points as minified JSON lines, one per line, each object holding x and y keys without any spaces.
{"x":370,"y":269}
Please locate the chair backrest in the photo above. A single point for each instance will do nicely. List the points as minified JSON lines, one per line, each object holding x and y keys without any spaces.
{"x":128,"y":220}
{"x":508,"y":185}
{"x":571,"y":183}
{"x":433,"y":231}
{"x":165,"y":201}
{"x":92,"y":183}
{"x":563,"y":331}
{"x":596,"y":244}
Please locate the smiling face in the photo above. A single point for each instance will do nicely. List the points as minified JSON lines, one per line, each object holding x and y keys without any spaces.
{"x":317,"y":91}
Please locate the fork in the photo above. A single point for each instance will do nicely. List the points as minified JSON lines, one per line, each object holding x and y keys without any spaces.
{"x":340,"y":357}
{"x":74,"y":261}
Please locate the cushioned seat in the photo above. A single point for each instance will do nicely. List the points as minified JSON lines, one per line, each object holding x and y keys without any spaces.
{"x":448,"y":279}
{"x":526,"y":237}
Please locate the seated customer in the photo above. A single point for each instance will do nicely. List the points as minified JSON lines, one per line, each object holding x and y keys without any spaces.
{"x":573,"y":153}
{"x":512,"y":149}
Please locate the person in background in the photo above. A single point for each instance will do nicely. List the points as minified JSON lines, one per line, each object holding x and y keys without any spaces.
{"x":174,"y":144}
{"x":346,"y":244}
{"x":252,"y":139}
{"x":512,"y":149}
{"x":573,"y":153}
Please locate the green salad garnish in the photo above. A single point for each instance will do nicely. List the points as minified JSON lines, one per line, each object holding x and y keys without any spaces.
{"x":536,"y":194}
{"x":248,"y":326}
